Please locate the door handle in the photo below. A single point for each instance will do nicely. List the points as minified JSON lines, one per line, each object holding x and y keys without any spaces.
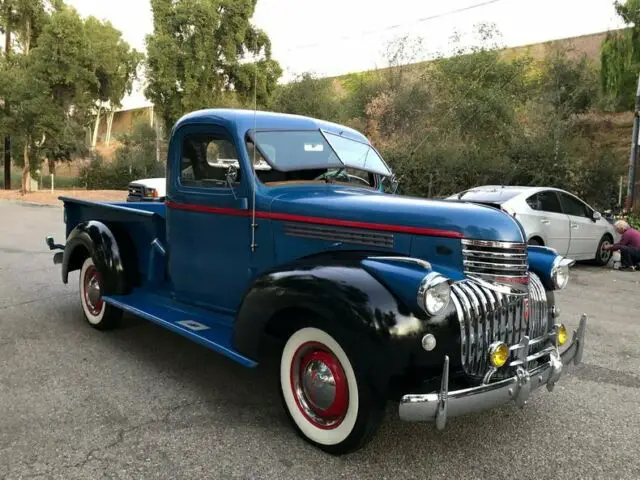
{"x":545,"y":221}
{"x":574,"y":225}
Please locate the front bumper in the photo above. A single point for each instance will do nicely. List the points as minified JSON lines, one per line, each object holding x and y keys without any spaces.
{"x":444,"y":404}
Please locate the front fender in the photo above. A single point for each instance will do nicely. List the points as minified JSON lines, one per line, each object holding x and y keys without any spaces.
{"x":384,"y":328}
{"x":95,"y":239}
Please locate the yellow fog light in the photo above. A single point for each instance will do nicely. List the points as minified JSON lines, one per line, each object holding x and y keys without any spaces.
{"x":498,"y":354}
{"x":562,"y":335}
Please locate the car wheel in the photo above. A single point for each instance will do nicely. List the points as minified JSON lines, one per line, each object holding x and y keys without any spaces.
{"x":603,"y":256}
{"x":325,"y":395}
{"x":534,"y":241}
{"x":97,"y":313}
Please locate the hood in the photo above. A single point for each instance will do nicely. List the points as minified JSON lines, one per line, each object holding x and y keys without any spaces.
{"x":428,"y":217}
{"x":159,"y":184}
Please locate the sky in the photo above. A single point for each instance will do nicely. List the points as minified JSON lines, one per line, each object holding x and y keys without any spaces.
{"x":334,"y":37}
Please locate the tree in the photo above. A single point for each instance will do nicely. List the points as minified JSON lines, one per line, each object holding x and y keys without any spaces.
{"x":311,"y":96}
{"x":620,"y":58}
{"x":202,"y":53}
{"x":114,"y":64}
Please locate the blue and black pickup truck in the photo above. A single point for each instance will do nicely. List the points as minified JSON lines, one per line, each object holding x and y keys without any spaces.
{"x":376,"y":297}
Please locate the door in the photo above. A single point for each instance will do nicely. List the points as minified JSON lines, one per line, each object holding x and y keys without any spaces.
{"x":549,"y":221}
{"x":208,"y":220}
{"x":585,"y":233}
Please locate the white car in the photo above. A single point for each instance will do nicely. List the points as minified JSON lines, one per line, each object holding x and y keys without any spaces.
{"x":550,"y":217}
{"x":148,"y":190}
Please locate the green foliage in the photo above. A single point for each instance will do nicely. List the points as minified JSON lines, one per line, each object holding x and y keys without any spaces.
{"x":620,"y":59}
{"x":61,"y":69}
{"x":199,"y":56}
{"x":310,"y":96}
{"x":134,"y":159}
{"x":472,"y":119}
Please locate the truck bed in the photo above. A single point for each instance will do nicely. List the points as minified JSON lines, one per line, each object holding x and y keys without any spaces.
{"x":142,"y":223}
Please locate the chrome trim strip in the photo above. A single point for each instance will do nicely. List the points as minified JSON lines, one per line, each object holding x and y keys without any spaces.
{"x":439,"y":406}
{"x":483,"y":253}
{"x":494,"y":244}
{"x":495,"y":266}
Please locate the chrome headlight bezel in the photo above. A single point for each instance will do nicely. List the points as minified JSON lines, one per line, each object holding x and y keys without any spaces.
{"x":560,"y":272}
{"x":434,"y":283}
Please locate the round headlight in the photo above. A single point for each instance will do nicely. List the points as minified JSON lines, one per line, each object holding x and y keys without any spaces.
{"x":434,"y":293}
{"x":560,"y":272}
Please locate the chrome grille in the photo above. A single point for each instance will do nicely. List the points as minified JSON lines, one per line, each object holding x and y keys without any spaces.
{"x":487,"y":316}
{"x":340,"y":234}
{"x":500,"y":262}
{"x":136,"y":190}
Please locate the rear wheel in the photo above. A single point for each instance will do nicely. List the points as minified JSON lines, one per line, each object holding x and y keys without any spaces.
{"x":602,"y":255}
{"x":96,"y":311}
{"x":326,"y":396}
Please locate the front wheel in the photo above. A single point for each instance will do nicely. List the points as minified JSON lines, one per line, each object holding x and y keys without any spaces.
{"x":602,"y":255}
{"x":96,"y":312}
{"x":328,"y":400}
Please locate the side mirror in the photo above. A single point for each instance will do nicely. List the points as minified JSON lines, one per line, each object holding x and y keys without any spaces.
{"x":596,"y":216}
{"x":232,"y":175}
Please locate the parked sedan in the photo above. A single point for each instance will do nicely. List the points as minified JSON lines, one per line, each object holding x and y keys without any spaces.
{"x":550,"y":217}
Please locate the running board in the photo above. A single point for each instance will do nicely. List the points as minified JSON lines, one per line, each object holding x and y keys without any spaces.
{"x":210,"y":329}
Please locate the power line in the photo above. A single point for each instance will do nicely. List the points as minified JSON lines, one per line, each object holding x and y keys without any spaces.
{"x":399,"y":25}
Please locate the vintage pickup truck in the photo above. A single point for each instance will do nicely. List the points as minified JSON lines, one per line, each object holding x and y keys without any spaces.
{"x":375,"y":297}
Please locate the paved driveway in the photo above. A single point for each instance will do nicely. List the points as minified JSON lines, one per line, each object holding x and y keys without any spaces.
{"x":141,"y":402}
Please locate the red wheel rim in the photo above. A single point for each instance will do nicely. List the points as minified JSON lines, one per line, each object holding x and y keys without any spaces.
{"x":93,"y":290}
{"x":319,"y":385}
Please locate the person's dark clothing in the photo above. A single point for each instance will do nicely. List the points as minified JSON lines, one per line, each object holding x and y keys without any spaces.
{"x":629,"y":256}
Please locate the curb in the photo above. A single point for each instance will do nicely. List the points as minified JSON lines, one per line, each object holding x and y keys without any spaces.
{"x":30,"y":204}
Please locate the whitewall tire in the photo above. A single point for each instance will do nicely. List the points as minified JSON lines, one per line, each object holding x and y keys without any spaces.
{"x":97,"y":313}
{"x":327,"y":401}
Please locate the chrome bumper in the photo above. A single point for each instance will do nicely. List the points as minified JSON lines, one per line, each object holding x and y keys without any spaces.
{"x":440,"y":406}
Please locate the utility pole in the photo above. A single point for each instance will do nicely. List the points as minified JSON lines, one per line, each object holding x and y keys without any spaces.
{"x":7,"y":138}
{"x":631,"y":181}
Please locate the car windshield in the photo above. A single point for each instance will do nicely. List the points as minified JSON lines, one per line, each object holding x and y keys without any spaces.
{"x":314,"y":149}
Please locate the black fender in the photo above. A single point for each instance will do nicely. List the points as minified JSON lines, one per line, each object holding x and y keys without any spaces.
{"x":97,"y":240}
{"x":387,"y":332}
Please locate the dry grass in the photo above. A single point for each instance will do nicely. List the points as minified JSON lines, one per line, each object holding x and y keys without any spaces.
{"x":46,"y":197}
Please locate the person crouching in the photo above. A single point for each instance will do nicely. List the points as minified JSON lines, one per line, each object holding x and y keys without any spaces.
{"x":629,"y":245}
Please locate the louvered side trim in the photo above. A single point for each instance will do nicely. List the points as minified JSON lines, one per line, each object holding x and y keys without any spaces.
{"x":340,"y":234}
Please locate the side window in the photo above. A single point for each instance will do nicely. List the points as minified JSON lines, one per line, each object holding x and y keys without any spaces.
{"x":206,"y":159}
{"x":573,"y":206}
{"x":545,"y":202}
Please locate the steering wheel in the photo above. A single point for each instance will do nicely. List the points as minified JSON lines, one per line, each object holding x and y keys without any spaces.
{"x":342,"y":176}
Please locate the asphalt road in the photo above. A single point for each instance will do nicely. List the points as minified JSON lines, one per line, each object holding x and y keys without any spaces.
{"x":141,"y":402}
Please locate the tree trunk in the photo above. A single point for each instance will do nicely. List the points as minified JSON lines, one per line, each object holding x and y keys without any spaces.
{"x":7,"y":139}
{"x":109,"y":126}
{"x":52,"y":172}
{"x":26,"y":171}
{"x":94,"y":140}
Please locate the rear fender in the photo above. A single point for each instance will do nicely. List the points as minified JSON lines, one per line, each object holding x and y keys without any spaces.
{"x":95,"y":239}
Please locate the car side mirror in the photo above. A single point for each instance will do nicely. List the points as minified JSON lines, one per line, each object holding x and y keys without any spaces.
{"x":232,"y":175}
{"x":596,"y":216}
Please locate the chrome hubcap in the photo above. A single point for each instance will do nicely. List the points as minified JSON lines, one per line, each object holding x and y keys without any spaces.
{"x":605,"y":254}
{"x":92,"y":291}
{"x":319,"y":385}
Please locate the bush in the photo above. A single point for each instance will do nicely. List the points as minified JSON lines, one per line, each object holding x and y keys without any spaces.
{"x":134,"y":159}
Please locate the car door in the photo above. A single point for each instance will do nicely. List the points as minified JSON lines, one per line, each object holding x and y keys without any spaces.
{"x":584,"y":230}
{"x":208,"y":221}
{"x":549,"y":221}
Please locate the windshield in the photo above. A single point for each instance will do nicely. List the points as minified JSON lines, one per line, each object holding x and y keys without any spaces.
{"x":314,"y":149}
